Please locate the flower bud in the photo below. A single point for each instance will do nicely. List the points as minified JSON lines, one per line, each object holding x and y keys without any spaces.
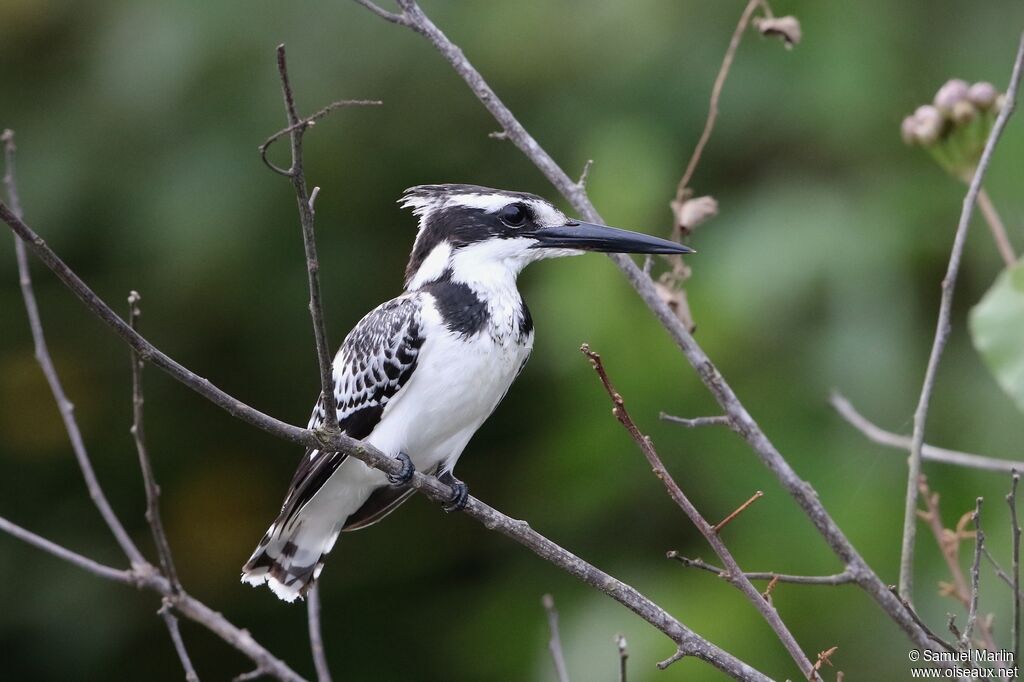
{"x":908,"y":130}
{"x":983,"y":95}
{"x":950,"y":93}
{"x":928,"y":122}
{"x":963,"y":112}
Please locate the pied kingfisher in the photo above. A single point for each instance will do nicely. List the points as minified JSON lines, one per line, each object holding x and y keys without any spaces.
{"x":419,"y":374}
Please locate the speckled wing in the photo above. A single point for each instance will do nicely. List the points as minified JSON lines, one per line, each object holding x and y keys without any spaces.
{"x":376,"y":360}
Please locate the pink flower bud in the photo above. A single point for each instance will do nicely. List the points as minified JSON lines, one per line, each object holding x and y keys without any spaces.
{"x":983,"y":94}
{"x":929,"y":122}
{"x":950,"y":93}
{"x":908,"y":130}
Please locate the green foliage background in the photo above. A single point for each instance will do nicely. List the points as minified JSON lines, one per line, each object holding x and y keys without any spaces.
{"x":138,"y":123}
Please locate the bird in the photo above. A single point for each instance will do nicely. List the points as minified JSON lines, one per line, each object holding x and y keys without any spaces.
{"x":419,"y":374}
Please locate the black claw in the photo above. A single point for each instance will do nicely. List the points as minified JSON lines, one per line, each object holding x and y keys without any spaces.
{"x":460,"y":493}
{"x":405,"y":475}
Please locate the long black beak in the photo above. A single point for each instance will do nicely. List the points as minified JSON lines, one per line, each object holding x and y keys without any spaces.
{"x":590,"y":237}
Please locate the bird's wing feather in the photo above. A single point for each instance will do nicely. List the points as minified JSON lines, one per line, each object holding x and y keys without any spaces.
{"x":381,"y":502}
{"x":376,"y":360}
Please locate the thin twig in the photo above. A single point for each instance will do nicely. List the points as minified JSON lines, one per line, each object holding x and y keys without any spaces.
{"x":917,"y":619}
{"x":393,"y":17}
{"x":996,"y":226}
{"x":999,"y":571}
{"x":767,"y":594}
{"x":735,"y":573}
{"x":695,"y":422}
{"x":316,"y":640}
{"x":179,"y":644}
{"x":716,"y":94}
{"x":153,"y":517}
{"x":296,"y":173}
{"x":736,"y":512}
{"x":304,"y":123}
{"x":948,"y":541}
{"x":82,"y":562}
{"x":879,"y":435}
{"x":1011,"y":501}
{"x":620,"y":644}
{"x":555,"y":639}
{"x":42,"y":353}
{"x":825,"y":657}
{"x":677,"y":656}
{"x":582,"y":182}
{"x":142,"y":573}
{"x":844,"y":578}
{"x":972,"y":609}
{"x":138,"y":432}
{"x":743,"y":423}
{"x":148,"y":577}
{"x":942,"y":329}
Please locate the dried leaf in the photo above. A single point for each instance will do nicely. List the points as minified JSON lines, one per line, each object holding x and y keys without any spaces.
{"x":787,"y":28}
{"x":692,"y":212}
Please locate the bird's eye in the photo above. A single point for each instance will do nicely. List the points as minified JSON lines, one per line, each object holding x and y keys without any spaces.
{"x":513,"y":215}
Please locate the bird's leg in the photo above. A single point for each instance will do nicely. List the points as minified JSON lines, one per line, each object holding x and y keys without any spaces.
{"x":405,"y":475}
{"x":460,"y":492}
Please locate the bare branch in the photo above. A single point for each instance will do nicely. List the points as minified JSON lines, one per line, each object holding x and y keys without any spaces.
{"x":394,"y":18}
{"x":710,"y":533}
{"x":825,"y":657}
{"x":179,"y":644}
{"x":695,"y":422}
{"x":42,"y":352}
{"x":736,"y":512}
{"x":147,"y":351}
{"x":582,"y":182}
{"x":995,"y":225}
{"x":972,"y":609}
{"x":146,"y":576}
{"x":879,"y":435}
{"x":316,"y":640}
{"x":948,"y":541}
{"x":677,"y":656}
{"x":942,"y":329}
{"x":1011,"y":501}
{"x":917,"y":619}
{"x":716,"y":94}
{"x":555,"y":640}
{"x":620,"y":644}
{"x":999,"y":571}
{"x":156,"y":524}
{"x":743,"y":423}
{"x":307,"y":218}
{"x":844,"y":578}
{"x":85,"y":563}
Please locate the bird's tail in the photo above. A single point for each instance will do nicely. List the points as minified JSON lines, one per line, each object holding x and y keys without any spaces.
{"x":291,"y":555}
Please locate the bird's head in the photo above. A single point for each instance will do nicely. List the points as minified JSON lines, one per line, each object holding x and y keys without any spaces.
{"x":467,"y":231}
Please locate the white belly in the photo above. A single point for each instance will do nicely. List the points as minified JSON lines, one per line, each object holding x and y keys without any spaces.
{"x":454,"y":389}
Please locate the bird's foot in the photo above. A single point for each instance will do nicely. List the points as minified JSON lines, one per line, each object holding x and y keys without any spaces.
{"x":405,"y":475}
{"x":460,"y":493}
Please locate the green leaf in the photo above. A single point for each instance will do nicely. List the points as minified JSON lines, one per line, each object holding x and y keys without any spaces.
{"x":997,"y":329}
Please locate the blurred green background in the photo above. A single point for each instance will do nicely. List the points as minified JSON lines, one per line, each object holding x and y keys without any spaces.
{"x":137,"y":125}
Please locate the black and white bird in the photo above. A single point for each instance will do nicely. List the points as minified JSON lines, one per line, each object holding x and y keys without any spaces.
{"x":419,"y":374}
